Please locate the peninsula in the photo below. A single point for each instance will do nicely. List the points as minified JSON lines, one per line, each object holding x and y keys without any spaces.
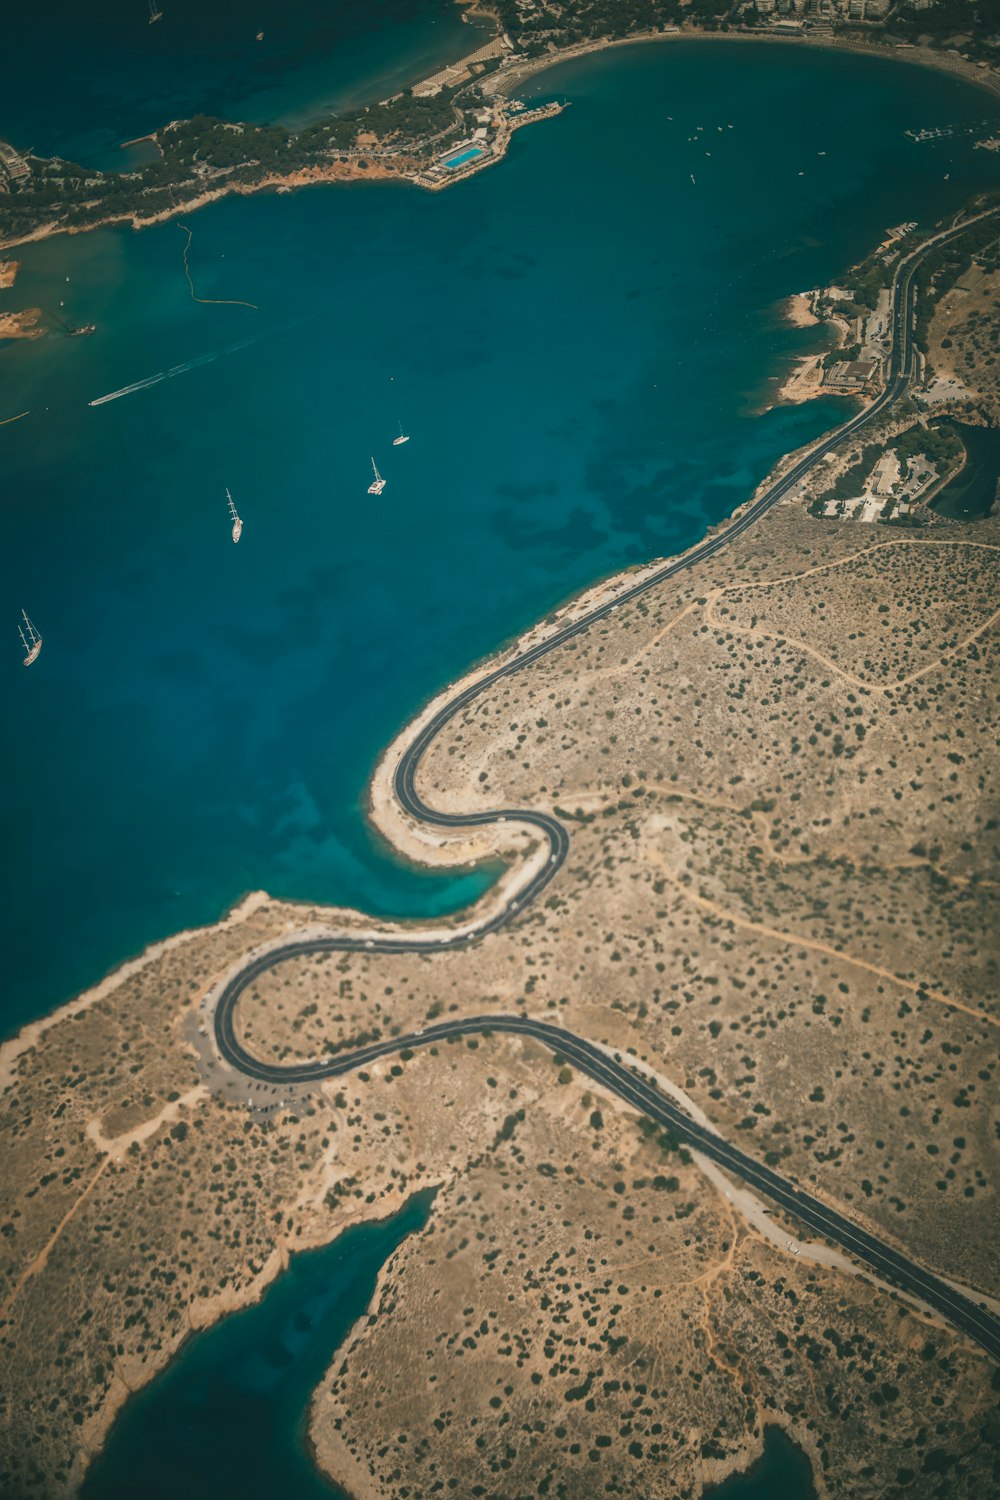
{"x":703,"y":1082}
{"x":461,"y":119}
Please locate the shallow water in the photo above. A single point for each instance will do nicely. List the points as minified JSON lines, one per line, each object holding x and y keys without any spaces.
{"x":579,"y":340}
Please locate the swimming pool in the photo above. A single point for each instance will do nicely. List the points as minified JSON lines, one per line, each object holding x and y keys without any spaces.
{"x":456,"y":161}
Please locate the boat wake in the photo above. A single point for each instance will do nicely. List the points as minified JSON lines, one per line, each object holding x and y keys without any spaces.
{"x":175,"y":370}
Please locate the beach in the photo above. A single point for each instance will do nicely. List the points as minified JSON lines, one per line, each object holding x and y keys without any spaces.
{"x":21,"y":325}
{"x":926,"y":57}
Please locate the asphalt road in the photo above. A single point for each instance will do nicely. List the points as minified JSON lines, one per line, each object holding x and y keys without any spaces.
{"x":618,"y":1076}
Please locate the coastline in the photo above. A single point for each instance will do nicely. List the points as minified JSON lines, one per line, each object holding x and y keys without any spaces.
{"x":21,"y":325}
{"x":13,"y":1047}
{"x":500,"y":84}
{"x":804,"y":381}
{"x":408,"y":838}
{"x":797,"y":310}
{"x":274,"y":182}
{"x":928,"y":57}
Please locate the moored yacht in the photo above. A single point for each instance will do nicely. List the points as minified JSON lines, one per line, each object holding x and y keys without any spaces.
{"x":404,"y":437}
{"x":237,"y":521}
{"x":378,"y":483}
{"x":30,"y":639}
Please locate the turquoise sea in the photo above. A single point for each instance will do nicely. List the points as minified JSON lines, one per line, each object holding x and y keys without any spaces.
{"x":581,"y":342}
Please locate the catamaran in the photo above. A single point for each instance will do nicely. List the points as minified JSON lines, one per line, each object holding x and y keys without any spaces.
{"x":404,"y":437}
{"x":237,"y":522}
{"x":30,"y":639}
{"x":378,"y":483}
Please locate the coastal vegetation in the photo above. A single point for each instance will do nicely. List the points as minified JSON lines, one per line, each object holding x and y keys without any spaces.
{"x":744,"y":755}
{"x":537,"y":24}
{"x":746,"y":908}
{"x":203,"y":152}
{"x":961,"y":327}
{"x":957,"y":331}
{"x":405,"y":132}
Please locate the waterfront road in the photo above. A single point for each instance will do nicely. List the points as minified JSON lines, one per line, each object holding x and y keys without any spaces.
{"x":619,"y":1077}
{"x":623,"y":1079}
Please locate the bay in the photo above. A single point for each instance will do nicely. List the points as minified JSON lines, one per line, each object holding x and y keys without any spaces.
{"x":582,"y":343}
{"x":89,"y":77}
{"x":782,"y":1472}
{"x":228,"y":1417}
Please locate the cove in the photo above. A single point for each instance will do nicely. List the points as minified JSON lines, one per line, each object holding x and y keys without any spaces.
{"x":583,"y":346}
{"x":781,"y":1473}
{"x":972,"y":494}
{"x":227,"y":1417}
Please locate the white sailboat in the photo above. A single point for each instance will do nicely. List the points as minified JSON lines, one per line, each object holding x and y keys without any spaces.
{"x":237,"y":521}
{"x":30,"y":639}
{"x":155,"y":13}
{"x":378,"y":483}
{"x":404,"y":437}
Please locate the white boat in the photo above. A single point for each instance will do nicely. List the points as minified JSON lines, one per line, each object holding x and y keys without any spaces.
{"x":237,"y":522}
{"x":30,"y":639}
{"x":404,"y":437}
{"x":155,"y":13}
{"x":378,"y":483}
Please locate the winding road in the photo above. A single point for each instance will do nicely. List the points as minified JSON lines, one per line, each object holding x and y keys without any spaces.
{"x":613,"y":1072}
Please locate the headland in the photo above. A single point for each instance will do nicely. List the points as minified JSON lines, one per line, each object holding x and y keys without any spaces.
{"x":776,"y":769}
{"x":448,"y":126}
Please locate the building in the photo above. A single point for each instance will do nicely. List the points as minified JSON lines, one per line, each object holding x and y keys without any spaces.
{"x":13,"y":167}
{"x":850,"y":374}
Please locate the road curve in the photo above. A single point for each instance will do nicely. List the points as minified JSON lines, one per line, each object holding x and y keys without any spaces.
{"x":616,"y":1075}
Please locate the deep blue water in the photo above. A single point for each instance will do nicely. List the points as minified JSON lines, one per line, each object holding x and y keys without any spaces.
{"x":580,"y":342}
{"x":227,"y":1417}
{"x":91,"y":75}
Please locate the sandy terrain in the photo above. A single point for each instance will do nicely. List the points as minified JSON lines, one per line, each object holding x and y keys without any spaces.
{"x":21,"y":325}
{"x":778,"y":776}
